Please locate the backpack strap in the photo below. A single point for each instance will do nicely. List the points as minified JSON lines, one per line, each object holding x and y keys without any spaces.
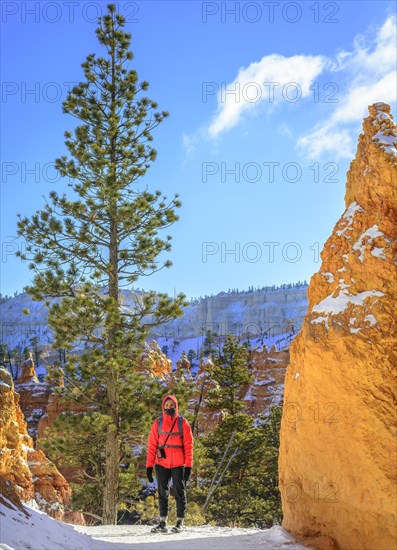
{"x":180,"y":423}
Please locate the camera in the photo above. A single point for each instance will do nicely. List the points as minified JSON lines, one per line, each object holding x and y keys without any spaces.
{"x":160,"y":452}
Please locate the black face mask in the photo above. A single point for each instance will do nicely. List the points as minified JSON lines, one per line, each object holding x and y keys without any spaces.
{"x":171,"y":412}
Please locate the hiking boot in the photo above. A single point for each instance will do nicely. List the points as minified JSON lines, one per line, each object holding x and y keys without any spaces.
{"x":179,"y":527}
{"x":160,"y":528}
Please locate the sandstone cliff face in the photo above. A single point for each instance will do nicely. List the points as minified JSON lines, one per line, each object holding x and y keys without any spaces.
{"x":32,"y":476}
{"x":337,"y":462}
{"x":241,"y":313}
{"x":252,"y":311}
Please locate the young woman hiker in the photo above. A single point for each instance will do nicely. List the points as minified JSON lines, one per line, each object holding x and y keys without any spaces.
{"x":170,"y":451}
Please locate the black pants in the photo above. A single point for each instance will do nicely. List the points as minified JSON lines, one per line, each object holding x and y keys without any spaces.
{"x":164,"y":476}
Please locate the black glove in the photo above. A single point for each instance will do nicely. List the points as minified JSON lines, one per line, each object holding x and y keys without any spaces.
{"x":186,"y":473}
{"x":149,"y":474}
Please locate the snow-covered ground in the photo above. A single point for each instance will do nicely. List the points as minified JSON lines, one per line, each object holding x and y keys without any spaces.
{"x":40,"y":532}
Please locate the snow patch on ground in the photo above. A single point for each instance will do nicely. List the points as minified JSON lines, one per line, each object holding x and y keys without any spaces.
{"x":198,"y":538}
{"x":40,"y":532}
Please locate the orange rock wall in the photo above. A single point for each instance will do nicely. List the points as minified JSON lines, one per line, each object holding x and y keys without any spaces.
{"x":337,"y":463}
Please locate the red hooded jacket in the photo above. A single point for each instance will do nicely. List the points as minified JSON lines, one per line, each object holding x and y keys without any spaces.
{"x":175,"y":456}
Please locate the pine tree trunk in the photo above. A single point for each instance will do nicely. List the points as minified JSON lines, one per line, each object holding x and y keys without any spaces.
{"x":110,"y":492}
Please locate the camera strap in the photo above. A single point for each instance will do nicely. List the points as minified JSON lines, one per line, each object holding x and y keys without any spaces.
{"x":170,"y":432}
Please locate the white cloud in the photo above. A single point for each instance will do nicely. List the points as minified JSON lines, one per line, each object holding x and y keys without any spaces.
{"x":367,"y":72}
{"x":267,"y":80}
{"x":383,"y":55}
{"x":284,"y":130}
{"x":327,"y":139}
{"x":188,"y":145}
{"x":370,"y":68}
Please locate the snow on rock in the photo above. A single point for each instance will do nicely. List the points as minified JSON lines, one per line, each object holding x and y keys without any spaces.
{"x":249,"y":396}
{"x":347,"y":218}
{"x":330,"y":276}
{"x":367,"y":237}
{"x":371,"y":319}
{"x":334,"y":305}
{"x":321,"y":319}
{"x":386,"y":137}
{"x":174,"y":348}
{"x":387,"y":142}
{"x":379,"y":252}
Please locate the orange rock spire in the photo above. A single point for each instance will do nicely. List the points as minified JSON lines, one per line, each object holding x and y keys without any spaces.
{"x":337,"y":462}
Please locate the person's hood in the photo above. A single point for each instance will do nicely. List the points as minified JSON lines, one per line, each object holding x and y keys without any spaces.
{"x":173,"y":399}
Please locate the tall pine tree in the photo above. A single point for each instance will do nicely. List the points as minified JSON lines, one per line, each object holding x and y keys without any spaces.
{"x":86,"y":247}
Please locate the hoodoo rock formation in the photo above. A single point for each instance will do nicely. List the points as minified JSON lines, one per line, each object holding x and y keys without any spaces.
{"x":337,"y":462}
{"x":34,"y":396}
{"x":27,"y":471}
{"x":154,"y":360}
{"x":183,"y":364}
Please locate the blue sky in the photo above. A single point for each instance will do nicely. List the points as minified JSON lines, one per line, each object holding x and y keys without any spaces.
{"x":266,"y":102}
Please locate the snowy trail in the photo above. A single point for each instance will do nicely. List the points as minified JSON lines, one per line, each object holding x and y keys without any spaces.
{"x":194,"y":538}
{"x":37,"y":531}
